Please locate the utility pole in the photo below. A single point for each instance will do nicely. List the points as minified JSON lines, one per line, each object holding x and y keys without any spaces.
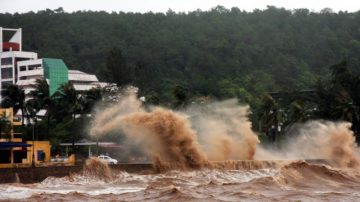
{"x":33,"y":149}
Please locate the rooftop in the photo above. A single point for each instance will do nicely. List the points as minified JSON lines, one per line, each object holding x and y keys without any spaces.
{"x":76,"y":75}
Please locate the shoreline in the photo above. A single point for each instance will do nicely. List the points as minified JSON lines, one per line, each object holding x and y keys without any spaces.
{"x":28,"y":175}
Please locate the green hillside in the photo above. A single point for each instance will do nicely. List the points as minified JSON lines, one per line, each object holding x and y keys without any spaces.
{"x":222,"y":52}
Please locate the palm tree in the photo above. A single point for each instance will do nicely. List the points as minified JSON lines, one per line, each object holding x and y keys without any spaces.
{"x":42,"y":95}
{"x":90,"y":98}
{"x":355,"y":95}
{"x":347,"y":111}
{"x":271,"y":115}
{"x":14,"y":96}
{"x":68,"y":103}
{"x":339,"y":99}
{"x":41,"y":92}
{"x":33,"y":106}
{"x":300,"y":110}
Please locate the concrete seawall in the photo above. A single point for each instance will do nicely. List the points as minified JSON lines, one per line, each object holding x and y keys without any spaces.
{"x":38,"y":174}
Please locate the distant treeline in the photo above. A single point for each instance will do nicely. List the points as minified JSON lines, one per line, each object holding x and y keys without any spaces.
{"x":218,"y":53}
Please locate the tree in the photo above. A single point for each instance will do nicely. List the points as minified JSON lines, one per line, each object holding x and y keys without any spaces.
{"x":341,"y":78}
{"x":269,"y":50}
{"x":68,"y":104}
{"x":181,"y":96}
{"x":218,"y":53}
{"x":152,"y":98}
{"x":66,"y":101}
{"x":347,"y":111}
{"x":13,"y":96}
{"x":345,"y":86}
{"x":271,"y":115}
{"x":33,"y":106}
{"x":90,"y":98}
{"x":297,"y":112}
{"x":116,"y":68}
{"x":41,"y":94}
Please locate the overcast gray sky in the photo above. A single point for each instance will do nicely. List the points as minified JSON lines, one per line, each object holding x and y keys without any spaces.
{"x":21,"y":6}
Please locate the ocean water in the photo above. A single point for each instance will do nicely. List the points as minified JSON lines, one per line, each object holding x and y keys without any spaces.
{"x":296,"y":181}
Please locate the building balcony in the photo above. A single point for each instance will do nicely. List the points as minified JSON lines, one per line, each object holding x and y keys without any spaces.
{"x":27,"y":82}
{"x":35,"y":72}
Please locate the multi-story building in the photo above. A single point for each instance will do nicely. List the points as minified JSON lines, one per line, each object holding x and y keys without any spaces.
{"x":10,"y":54}
{"x":53,"y":70}
{"x":28,"y":72}
{"x":24,"y":68}
{"x":56,"y":73}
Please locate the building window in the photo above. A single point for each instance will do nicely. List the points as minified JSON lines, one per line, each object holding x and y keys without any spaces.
{"x":6,"y":61}
{"x":21,"y":59}
{"x":4,"y":84}
{"x":6,"y":73}
{"x":22,"y":68}
{"x":32,"y":67}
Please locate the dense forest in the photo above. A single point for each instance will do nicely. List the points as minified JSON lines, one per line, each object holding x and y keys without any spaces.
{"x":220,"y":53}
{"x":175,"y":58}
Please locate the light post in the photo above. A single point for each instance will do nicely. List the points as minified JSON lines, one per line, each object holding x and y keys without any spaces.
{"x":33,"y":150}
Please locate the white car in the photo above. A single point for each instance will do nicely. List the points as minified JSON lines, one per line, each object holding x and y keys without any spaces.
{"x":107,"y":159}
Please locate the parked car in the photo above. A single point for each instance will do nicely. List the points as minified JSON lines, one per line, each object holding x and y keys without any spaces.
{"x":107,"y":159}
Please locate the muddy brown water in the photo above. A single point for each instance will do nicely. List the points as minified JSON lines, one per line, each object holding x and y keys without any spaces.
{"x":291,"y":181}
{"x":192,"y":139}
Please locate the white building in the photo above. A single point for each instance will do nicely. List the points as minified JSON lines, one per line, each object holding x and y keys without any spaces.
{"x":28,"y":72}
{"x":31,"y":70}
{"x":10,"y":54}
{"x":83,"y":81}
{"x":24,"y":68}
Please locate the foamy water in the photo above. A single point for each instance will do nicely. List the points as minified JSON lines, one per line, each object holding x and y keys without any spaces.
{"x":295,"y":181}
{"x":20,"y":192}
{"x":127,"y":183}
{"x":173,"y":140}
